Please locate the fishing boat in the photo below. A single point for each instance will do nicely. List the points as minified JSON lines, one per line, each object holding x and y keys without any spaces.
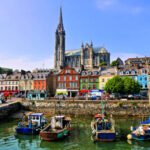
{"x":31,"y":123}
{"x":141,"y":133}
{"x":58,"y":128}
{"x":102,"y":129}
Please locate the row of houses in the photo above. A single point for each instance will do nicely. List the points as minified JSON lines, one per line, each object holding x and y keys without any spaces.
{"x":79,"y":83}
{"x":73,"y":81}
{"x":23,"y":81}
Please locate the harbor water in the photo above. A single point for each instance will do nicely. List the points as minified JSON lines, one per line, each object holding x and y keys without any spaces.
{"x":80,"y":138}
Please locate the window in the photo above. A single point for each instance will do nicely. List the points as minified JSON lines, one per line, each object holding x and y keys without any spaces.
{"x":146,"y":86}
{"x":70,"y":78}
{"x":94,"y":80}
{"x":64,"y":85}
{"x":103,"y":80}
{"x":76,"y":78}
{"x":84,"y":87}
{"x":42,"y":95}
{"x":94,"y":86}
{"x":58,"y":78}
{"x":64,"y":78}
{"x":59,"y":85}
{"x":67,"y":71}
{"x":70,"y":84}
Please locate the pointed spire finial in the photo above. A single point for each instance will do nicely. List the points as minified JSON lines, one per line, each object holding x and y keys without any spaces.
{"x":82,"y":45}
{"x":60,"y":25}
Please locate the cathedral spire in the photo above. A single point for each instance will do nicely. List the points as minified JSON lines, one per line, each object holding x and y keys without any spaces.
{"x":60,"y":44}
{"x":60,"y":25}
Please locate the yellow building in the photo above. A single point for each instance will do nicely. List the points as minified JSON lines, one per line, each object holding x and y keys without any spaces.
{"x":106,"y":75}
{"x":103,"y":80}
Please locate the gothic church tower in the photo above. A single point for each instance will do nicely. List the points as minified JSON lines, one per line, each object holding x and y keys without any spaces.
{"x":59,"y":58}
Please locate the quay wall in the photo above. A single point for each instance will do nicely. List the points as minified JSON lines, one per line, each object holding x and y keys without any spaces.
{"x":9,"y":108}
{"x":88,"y":107}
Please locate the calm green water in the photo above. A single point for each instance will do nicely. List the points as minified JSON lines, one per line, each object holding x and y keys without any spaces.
{"x":80,"y":138}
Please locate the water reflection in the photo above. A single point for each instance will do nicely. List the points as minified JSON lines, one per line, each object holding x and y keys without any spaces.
{"x":80,"y":138}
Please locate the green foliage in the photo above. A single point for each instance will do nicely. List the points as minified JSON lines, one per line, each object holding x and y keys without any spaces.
{"x":114,"y":63}
{"x":103,"y":63}
{"x":5,"y":70}
{"x":114,"y":85}
{"x":131,"y":86}
{"x":124,"y":85}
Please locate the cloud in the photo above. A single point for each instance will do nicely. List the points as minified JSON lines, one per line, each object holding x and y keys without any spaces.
{"x":118,"y":6}
{"x":26,"y":63}
{"x":124,"y":56}
{"x":105,"y":4}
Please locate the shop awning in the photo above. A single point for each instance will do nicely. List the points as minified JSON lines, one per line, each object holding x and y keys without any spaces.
{"x":61,"y":92}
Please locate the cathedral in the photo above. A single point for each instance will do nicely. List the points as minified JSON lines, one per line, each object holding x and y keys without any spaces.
{"x":87,"y":56}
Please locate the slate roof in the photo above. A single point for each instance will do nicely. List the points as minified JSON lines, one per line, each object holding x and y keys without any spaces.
{"x":77,"y":52}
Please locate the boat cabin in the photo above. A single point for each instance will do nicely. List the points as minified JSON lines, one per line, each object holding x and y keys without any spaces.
{"x":102,"y":123}
{"x":37,"y":118}
{"x":60,"y":121}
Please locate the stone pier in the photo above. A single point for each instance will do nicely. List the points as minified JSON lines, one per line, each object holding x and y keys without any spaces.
{"x":9,"y":108}
{"x":87,"y":107}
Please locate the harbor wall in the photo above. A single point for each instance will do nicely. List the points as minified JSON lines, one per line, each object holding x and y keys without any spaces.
{"x":9,"y":108}
{"x":86,"y":107}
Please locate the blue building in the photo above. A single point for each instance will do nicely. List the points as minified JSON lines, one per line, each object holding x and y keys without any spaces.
{"x":143,"y":81}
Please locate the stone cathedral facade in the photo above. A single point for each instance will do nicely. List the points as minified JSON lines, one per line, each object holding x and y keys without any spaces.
{"x":87,"y":56}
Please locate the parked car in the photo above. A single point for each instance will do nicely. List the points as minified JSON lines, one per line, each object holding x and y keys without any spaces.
{"x":139,"y":96}
{"x":130,"y":96}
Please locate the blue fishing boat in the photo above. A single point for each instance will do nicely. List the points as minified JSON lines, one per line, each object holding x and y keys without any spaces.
{"x":141,"y":133}
{"x":31,"y":123}
{"x":103,"y":128}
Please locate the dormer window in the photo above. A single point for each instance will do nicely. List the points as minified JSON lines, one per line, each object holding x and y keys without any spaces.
{"x":90,"y":73}
{"x":133,"y":72}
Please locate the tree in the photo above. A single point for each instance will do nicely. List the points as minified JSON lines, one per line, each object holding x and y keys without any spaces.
{"x":115,"y":63}
{"x":102,"y":64}
{"x":131,"y":86}
{"x":114,"y":85}
{"x":1,"y":70}
{"x":126,"y":85}
{"x":9,"y":71}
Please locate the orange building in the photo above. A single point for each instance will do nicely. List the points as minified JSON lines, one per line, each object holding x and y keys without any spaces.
{"x":39,"y":81}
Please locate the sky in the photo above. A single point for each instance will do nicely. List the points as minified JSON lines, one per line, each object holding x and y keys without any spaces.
{"x":27,"y":29}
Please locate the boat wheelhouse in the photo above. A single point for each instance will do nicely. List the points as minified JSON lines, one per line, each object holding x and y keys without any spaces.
{"x":31,"y":123}
{"x":58,"y":128}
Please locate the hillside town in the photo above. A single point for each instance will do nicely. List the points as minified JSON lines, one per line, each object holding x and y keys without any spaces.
{"x":93,"y":94}
{"x":76,"y":72}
